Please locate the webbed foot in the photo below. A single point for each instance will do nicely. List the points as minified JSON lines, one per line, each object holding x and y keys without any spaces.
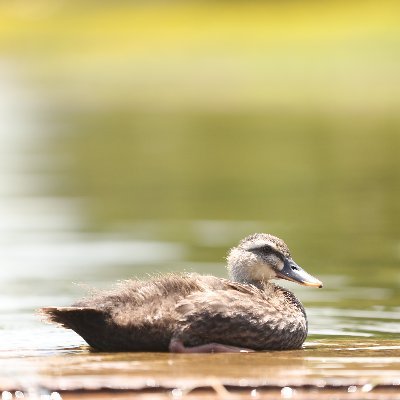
{"x":177,"y":346}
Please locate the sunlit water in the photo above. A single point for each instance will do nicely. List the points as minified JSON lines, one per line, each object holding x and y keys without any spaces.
{"x":48,"y":257}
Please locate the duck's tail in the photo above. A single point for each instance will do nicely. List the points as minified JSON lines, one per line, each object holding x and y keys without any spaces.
{"x":70,"y":317}
{"x":101,"y":332}
{"x":87,"y":322}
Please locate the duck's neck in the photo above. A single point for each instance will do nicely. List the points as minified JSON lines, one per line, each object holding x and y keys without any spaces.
{"x":247,"y":270}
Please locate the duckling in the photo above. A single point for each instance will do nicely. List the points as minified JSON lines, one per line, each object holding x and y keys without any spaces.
{"x":192,"y":313}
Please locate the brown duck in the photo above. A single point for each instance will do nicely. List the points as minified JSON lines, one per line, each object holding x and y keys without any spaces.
{"x":191,"y":313}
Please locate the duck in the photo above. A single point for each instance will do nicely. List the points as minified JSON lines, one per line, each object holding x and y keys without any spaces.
{"x":193,"y":313}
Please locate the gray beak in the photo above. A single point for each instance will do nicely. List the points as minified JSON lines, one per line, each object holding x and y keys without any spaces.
{"x":293,"y":272}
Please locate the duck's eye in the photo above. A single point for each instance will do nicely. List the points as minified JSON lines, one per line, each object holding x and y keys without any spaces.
{"x":263,"y":249}
{"x":267,"y":249}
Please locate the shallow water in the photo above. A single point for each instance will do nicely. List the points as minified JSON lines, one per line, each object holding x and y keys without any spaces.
{"x":92,"y":195}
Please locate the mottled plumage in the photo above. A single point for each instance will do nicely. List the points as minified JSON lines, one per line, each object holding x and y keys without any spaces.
{"x":192,"y":312}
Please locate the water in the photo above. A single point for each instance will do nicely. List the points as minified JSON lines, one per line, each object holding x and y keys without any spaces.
{"x":111,"y":186}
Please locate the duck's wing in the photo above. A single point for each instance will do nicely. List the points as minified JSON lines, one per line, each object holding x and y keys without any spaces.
{"x":133,"y":316}
{"x":239,"y":316}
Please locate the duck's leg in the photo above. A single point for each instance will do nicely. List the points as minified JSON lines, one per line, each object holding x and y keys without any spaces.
{"x":177,"y":346}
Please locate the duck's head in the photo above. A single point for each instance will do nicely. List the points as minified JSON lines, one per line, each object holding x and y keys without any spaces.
{"x":261,"y":257}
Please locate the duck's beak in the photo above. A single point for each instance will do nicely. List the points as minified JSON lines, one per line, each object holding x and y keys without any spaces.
{"x":293,"y":272}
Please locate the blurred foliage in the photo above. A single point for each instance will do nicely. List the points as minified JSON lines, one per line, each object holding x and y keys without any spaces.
{"x":333,"y":56}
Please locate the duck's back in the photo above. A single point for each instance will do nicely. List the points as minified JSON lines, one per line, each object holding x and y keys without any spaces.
{"x":135,"y":315}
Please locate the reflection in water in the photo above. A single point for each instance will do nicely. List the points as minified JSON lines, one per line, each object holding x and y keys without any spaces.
{"x":322,"y":363}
